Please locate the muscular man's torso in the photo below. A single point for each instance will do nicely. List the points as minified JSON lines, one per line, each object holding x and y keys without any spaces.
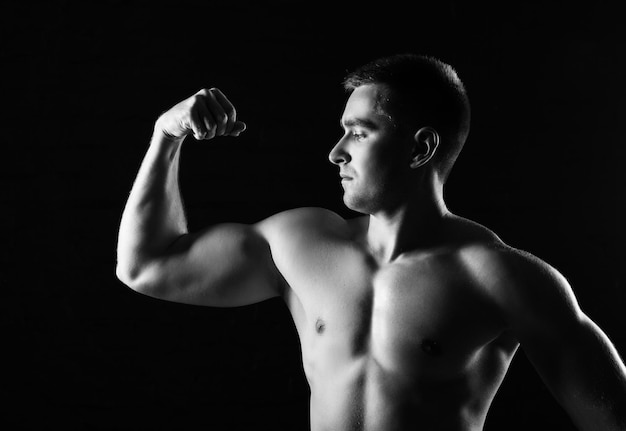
{"x":416,"y":344}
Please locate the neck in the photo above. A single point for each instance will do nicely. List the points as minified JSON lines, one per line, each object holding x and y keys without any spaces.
{"x":409,"y":226}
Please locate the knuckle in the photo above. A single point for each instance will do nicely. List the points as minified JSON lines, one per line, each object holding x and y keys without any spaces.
{"x":221,"y":118}
{"x":195,"y":99}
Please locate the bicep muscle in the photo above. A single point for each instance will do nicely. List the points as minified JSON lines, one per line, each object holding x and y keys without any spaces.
{"x":225,"y":265}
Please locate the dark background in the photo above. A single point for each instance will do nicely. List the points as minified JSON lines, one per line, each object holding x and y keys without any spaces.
{"x":83,"y":82}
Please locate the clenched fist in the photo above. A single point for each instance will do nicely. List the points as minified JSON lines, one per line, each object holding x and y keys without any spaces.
{"x":206,"y":114}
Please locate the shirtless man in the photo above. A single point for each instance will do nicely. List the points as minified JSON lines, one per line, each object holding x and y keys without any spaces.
{"x":408,"y":316}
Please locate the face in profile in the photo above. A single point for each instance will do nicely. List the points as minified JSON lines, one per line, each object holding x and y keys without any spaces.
{"x":373,"y":155}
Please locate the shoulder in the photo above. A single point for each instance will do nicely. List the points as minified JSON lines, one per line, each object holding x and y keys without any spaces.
{"x":492,"y":260}
{"x":301,"y":222}
{"x":526,"y":289}
{"x":498,"y":265}
{"x":516,"y":281}
{"x":302,"y":240}
{"x":302,"y":214}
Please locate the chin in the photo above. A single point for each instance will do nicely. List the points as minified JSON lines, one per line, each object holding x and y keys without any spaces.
{"x":358,"y":203}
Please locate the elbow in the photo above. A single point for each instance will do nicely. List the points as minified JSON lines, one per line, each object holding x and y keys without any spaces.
{"x":133,"y":277}
{"x":127,"y":275}
{"x":123,"y":274}
{"x":126,"y":266}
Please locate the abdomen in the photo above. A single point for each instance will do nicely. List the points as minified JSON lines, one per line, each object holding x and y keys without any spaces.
{"x":362,"y":396}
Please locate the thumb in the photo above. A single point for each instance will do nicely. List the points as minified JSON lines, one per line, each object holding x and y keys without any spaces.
{"x":238,"y":127}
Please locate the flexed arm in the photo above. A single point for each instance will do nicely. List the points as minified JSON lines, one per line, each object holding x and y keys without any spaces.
{"x":223,"y":265}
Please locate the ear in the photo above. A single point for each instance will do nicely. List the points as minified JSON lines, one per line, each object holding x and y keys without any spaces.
{"x":426,"y":142}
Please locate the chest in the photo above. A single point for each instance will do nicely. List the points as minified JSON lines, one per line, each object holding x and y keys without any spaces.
{"x":420,"y":313}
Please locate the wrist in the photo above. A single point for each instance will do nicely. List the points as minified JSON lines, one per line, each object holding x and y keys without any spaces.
{"x":160,"y":132}
{"x":161,"y":137}
{"x":165,"y":147}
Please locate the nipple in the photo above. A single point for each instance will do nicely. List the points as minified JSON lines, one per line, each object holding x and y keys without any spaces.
{"x":320,"y":326}
{"x":431,"y":347}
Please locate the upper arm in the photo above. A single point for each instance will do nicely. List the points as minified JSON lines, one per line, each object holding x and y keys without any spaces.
{"x":573,"y":356}
{"x":225,"y":265}
{"x":537,"y":300}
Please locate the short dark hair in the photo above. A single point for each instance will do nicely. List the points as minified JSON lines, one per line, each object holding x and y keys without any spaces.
{"x":426,"y":92}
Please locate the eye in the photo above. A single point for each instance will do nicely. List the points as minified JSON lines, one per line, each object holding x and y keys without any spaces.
{"x":358,"y":136}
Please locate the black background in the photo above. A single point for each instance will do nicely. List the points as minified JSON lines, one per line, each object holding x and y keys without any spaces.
{"x":83,"y":82}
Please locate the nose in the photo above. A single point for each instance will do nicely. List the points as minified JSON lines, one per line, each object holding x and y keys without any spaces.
{"x":338,"y":155}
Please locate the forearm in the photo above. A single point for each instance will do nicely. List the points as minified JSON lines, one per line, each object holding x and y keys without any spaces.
{"x":153,"y":217}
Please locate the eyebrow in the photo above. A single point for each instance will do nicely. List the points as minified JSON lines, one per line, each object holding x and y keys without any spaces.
{"x":361,"y":122}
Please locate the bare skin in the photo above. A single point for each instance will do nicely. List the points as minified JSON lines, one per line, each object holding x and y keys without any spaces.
{"x":413,"y":343}
{"x":408,"y":317}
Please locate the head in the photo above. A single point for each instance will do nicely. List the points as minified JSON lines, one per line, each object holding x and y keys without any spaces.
{"x":405,"y":121}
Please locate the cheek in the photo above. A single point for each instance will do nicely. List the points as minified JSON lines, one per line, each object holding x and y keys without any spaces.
{"x":385,"y":162}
